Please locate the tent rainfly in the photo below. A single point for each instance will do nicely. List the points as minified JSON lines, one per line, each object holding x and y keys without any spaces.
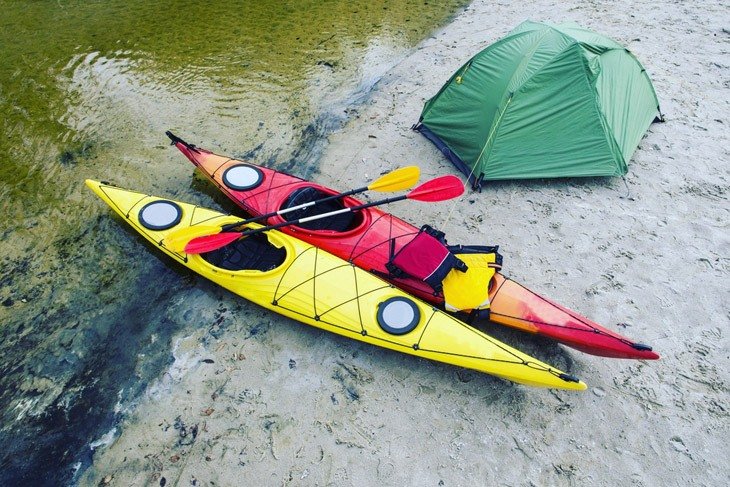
{"x":546,"y":101}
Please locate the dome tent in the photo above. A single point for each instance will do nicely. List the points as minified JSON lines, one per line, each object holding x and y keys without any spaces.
{"x":545,"y":101}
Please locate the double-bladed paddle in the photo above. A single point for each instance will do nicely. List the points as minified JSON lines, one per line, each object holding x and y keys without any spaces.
{"x":439,"y":189}
{"x":396,"y":180}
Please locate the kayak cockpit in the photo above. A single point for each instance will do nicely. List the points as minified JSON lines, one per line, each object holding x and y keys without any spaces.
{"x":343,"y":222}
{"x":250,"y":253}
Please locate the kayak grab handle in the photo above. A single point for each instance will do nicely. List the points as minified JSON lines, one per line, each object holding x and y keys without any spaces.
{"x":569,"y":378}
{"x":175,"y":139}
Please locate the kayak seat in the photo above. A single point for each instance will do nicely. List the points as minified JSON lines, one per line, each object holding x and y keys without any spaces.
{"x":249,"y":253}
{"x":337,"y":223}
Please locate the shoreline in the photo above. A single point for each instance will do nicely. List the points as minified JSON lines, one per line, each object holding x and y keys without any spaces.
{"x":347,"y":414}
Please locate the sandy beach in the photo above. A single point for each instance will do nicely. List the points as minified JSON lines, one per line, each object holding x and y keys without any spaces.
{"x":256,"y":399}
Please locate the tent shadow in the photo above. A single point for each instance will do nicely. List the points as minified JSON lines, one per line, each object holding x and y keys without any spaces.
{"x":201,"y":184}
{"x":567,"y":183}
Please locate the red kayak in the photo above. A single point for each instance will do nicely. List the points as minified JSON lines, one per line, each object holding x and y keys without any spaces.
{"x":370,"y":238}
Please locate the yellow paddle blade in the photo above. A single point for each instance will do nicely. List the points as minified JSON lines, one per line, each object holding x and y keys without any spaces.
{"x":402,"y":178}
{"x":178,"y":239}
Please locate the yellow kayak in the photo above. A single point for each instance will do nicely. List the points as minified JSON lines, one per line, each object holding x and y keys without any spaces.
{"x":295,"y":279}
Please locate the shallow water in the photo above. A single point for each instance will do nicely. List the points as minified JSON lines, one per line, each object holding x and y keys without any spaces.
{"x":87,"y":90}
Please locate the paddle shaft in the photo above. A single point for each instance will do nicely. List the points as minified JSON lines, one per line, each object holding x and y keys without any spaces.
{"x":439,"y":189}
{"x":232,"y":226}
{"x":321,"y":215}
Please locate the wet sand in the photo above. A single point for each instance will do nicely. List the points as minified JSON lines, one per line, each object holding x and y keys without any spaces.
{"x":255,"y":399}
{"x":87,"y":91}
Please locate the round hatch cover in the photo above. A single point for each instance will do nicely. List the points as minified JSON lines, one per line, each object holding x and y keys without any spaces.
{"x":398,"y":315}
{"x":160,"y":215}
{"x":242,"y":177}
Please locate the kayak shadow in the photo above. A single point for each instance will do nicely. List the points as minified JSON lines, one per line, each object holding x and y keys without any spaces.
{"x":544,"y":349}
{"x":202,"y":185}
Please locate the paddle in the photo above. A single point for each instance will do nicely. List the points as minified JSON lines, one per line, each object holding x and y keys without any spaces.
{"x":439,"y":189}
{"x":402,"y":178}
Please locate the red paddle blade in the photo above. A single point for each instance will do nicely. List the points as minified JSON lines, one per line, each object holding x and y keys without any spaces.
{"x":208,"y":243}
{"x":440,"y":189}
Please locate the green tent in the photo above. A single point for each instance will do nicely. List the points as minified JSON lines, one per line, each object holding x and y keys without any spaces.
{"x":545,"y":101}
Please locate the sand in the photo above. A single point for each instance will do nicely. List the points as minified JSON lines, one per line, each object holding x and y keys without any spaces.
{"x":255,"y":399}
